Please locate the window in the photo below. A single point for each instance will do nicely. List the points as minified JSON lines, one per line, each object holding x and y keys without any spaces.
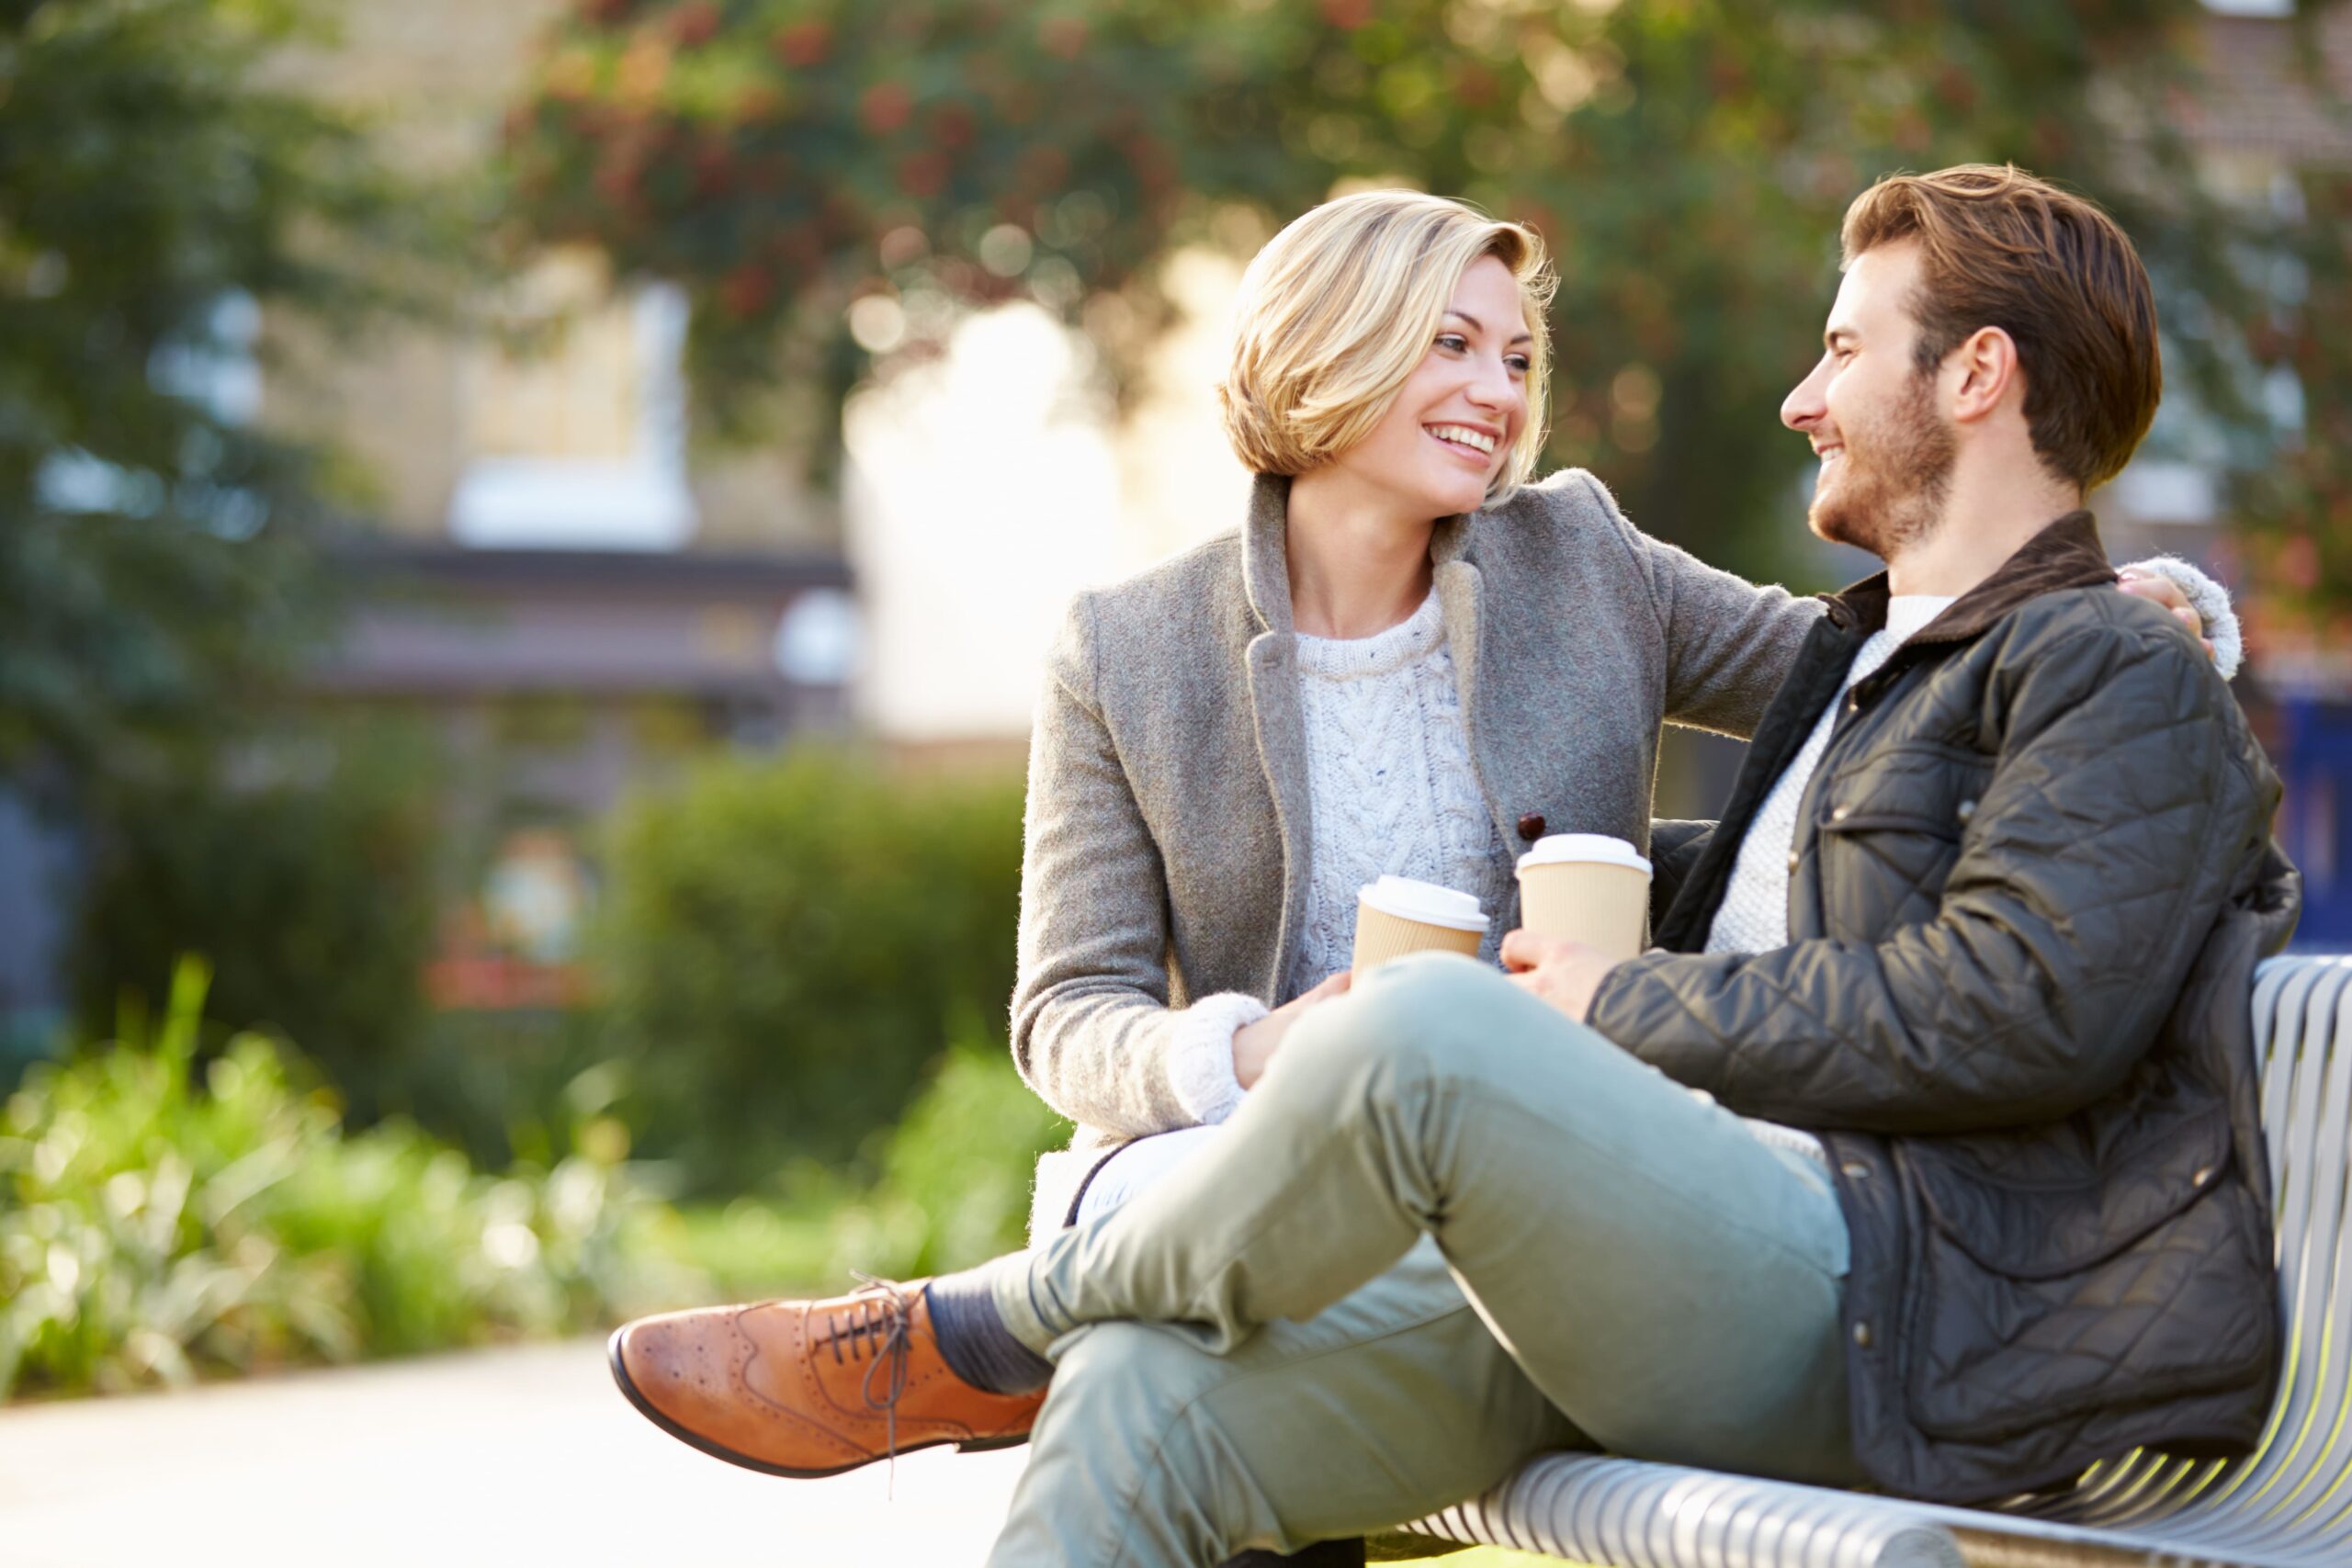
{"x":574,"y":424}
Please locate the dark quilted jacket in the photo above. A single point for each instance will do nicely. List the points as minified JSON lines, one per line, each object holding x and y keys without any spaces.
{"x":2031,"y":876}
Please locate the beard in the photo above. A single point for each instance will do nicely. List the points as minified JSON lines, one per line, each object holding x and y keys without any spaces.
{"x":1888,"y":490}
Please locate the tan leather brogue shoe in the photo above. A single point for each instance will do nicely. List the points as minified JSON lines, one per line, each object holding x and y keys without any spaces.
{"x":810,"y":1388}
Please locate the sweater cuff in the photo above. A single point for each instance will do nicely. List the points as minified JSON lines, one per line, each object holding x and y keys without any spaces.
{"x":2211,"y":603}
{"x":1200,"y":1054}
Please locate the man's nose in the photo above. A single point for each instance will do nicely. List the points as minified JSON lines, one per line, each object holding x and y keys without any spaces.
{"x":1804,"y":405}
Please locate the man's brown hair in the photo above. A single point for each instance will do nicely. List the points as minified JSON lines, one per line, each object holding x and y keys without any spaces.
{"x":1999,"y":248}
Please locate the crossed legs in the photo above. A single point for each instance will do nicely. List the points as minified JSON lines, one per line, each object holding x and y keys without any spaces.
{"x":1243,"y":1359}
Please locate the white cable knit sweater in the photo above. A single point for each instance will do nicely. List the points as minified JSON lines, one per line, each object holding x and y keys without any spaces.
{"x":1391,"y":792}
{"x":1390,"y":788}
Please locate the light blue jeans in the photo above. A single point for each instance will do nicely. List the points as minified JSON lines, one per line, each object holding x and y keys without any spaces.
{"x":1449,"y":1229}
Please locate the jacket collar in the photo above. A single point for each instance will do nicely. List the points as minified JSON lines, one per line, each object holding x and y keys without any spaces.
{"x":2065,"y":554}
{"x":1265,"y":559}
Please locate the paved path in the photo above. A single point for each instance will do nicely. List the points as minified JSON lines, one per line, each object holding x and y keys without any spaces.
{"x":500,"y":1458}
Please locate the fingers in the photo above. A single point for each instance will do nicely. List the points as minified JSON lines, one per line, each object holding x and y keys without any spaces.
{"x":2157,"y":590}
{"x":1330,"y":986}
{"x":1522,"y":949}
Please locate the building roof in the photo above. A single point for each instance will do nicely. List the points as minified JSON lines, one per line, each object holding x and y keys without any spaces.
{"x":443,"y":620}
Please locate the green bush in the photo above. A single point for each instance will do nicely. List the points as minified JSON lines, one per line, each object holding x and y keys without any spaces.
{"x":953,"y":1189}
{"x":309,"y":871}
{"x":789,"y":943}
{"x":151,"y":1229}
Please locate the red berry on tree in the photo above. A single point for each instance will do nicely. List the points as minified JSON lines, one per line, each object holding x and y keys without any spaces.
{"x":886,"y":107}
{"x":802,"y":44}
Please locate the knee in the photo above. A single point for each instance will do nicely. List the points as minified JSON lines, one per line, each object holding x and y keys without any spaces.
{"x":1132,"y":1375}
{"x":1428,"y":1017}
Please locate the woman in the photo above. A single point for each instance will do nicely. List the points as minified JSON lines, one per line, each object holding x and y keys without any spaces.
{"x":1407,"y":661}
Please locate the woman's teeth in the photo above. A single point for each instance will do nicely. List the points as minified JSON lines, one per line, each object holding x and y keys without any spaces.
{"x":1464,"y":437}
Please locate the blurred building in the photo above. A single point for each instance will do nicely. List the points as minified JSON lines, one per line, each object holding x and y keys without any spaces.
{"x":573,"y":594}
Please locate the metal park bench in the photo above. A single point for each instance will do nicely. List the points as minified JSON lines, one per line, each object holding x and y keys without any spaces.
{"x":2287,"y":1505}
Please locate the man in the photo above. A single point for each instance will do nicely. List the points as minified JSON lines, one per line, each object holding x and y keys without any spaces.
{"x":1972,"y":946}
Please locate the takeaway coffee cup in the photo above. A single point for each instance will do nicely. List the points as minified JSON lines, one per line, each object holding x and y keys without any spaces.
{"x":1586,"y":887}
{"x":1398,"y":915}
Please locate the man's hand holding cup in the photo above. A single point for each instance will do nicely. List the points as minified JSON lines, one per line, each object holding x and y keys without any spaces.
{"x":1564,"y":973}
{"x":1584,"y":902}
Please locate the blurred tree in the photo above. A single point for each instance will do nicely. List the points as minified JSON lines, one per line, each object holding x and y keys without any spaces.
{"x":156,"y":193}
{"x":2301,"y":502}
{"x":789,"y":161}
{"x":310,"y":869}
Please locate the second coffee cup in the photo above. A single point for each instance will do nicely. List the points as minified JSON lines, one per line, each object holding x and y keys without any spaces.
{"x":1397,"y":915}
{"x":1586,"y":887}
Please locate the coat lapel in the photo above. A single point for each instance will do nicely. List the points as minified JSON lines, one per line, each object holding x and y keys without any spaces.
{"x":1461,"y":598}
{"x":1272,"y":659}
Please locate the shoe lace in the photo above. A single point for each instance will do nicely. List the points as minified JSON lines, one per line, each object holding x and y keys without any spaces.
{"x":878,"y":1324}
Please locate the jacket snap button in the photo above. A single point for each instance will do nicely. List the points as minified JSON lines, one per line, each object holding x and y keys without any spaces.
{"x":1854,"y":702}
{"x":1793,"y":859}
{"x":1964,"y":810}
{"x":1855,"y":1168}
{"x":2204,"y":1174}
{"x":1530,"y":826}
{"x":1862,"y":1335}
{"x":1839,"y":813}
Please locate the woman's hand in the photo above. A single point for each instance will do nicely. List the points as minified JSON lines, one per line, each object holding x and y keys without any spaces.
{"x":2165,"y":593}
{"x":1254,"y":1043}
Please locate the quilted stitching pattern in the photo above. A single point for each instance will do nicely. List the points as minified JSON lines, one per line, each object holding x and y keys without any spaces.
{"x":2012,"y":862}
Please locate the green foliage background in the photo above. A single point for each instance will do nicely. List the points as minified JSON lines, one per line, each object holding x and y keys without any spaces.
{"x":1688,"y":158}
{"x":162,"y":1218}
{"x":311,"y":866}
{"x":790,"y":943}
{"x":157,"y":570}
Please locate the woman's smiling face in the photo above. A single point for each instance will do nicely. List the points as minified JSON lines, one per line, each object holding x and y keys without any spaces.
{"x":1451,"y":429}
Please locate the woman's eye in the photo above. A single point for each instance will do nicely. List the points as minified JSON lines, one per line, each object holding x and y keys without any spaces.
{"x":1520,"y":363}
{"x":1453,"y":342}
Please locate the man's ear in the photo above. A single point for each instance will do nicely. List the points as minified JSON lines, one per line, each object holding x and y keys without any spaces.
{"x":1987,"y":369}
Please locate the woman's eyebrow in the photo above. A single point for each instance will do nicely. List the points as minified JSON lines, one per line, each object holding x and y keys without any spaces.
{"x":1478,"y":325}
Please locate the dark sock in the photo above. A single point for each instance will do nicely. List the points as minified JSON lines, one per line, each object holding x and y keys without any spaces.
{"x":973,"y":1338}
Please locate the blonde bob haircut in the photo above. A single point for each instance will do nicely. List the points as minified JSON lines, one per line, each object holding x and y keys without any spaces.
{"x":1341,"y":306}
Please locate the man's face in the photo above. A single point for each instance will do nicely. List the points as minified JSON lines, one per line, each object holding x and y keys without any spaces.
{"x":1885,"y":448}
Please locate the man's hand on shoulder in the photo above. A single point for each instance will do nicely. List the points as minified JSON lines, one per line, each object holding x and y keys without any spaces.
{"x":1564,"y":973}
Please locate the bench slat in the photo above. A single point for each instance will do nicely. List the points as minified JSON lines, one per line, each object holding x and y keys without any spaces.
{"x":2286,"y":1506}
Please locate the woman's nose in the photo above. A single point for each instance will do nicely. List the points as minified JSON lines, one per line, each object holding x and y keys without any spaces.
{"x":1495,"y":387}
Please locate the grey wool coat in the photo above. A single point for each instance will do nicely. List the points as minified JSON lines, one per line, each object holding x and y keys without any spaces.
{"x":1167,"y":833}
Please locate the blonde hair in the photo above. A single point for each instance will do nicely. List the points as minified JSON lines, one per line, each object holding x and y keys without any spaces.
{"x":1341,"y":307}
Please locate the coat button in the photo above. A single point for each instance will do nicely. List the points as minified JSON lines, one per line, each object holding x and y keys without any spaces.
{"x":1854,"y":701}
{"x":1862,"y":1335}
{"x":1964,"y":810}
{"x":1794,"y":858}
{"x":1530,"y":826}
{"x":1855,"y":1168}
{"x":1839,"y":813}
{"x":2204,"y":1174}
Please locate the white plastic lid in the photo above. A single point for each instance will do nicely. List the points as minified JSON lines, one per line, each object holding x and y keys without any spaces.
{"x":1426,"y":902}
{"x":1589,"y":849}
